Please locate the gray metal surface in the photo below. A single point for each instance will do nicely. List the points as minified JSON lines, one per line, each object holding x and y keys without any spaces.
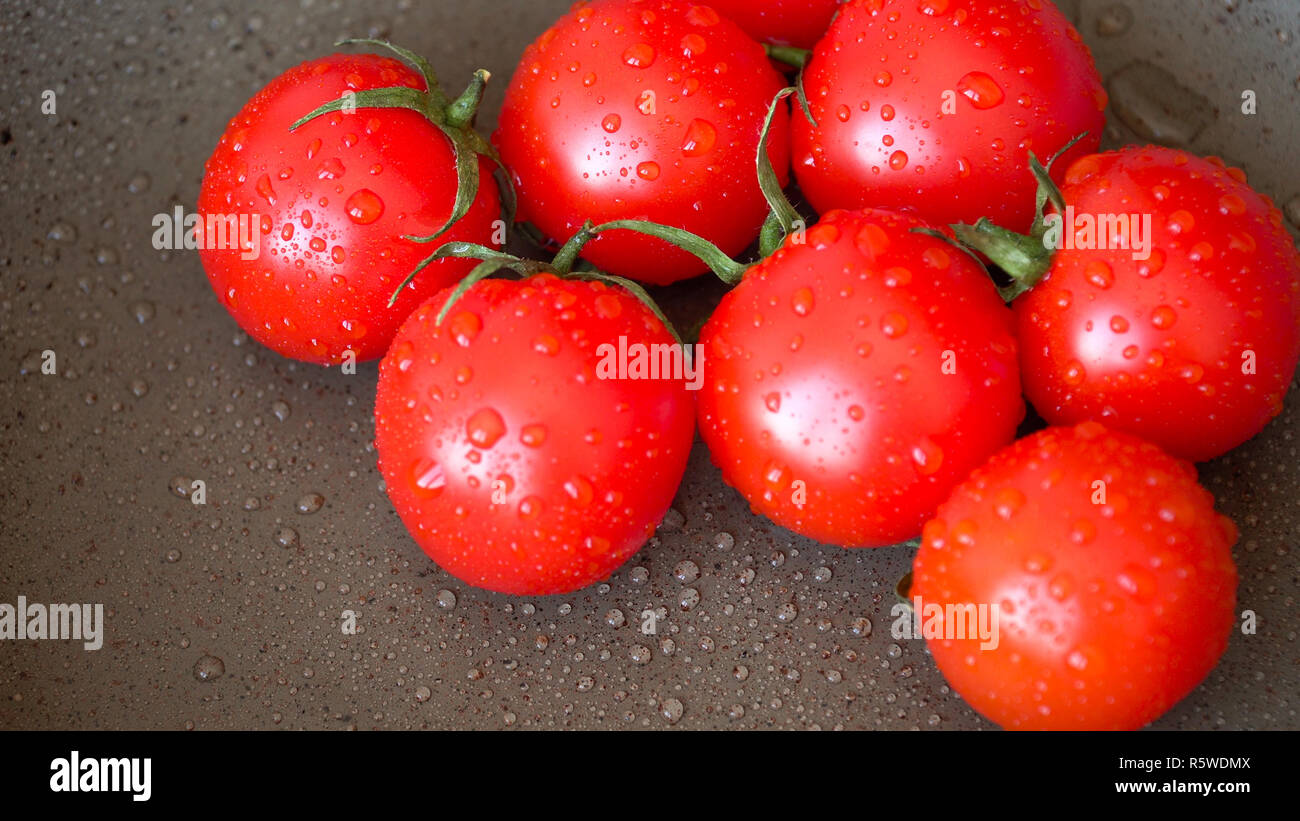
{"x":227,"y":615}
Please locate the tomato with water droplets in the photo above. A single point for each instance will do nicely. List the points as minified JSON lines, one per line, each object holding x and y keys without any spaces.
{"x":799,"y":23}
{"x":1192,"y":339}
{"x":1100,"y":573}
{"x":521,"y":458}
{"x":933,"y":106}
{"x":855,"y":376}
{"x":330,"y":202}
{"x":642,"y":109}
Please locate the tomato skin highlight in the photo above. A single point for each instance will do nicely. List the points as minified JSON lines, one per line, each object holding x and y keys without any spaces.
{"x":1160,"y":347}
{"x":643,"y":109}
{"x":933,"y":105}
{"x":512,"y":463}
{"x":1109,"y":613}
{"x":799,"y":23}
{"x":875,"y":365}
{"x":334,"y":199}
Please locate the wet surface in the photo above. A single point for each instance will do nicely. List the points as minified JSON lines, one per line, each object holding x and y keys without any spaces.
{"x":231,"y":613}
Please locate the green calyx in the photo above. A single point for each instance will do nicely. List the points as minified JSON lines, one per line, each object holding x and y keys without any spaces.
{"x":493,"y":261}
{"x":783,"y":219}
{"x":1024,"y":257}
{"x":790,"y":55}
{"x":453,"y":117}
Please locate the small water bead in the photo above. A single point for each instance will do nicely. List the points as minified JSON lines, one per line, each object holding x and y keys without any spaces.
{"x":787,"y":612}
{"x":143,"y":311}
{"x":309,"y":503}
{"x":281,"y":410}
{"x":615,"y":618}
{"x":672,"y":710}
{"x":286,"y":537}
{"x":445,"y":599}
{"x":423,"y":694}
{"x":822,"y":574}
{"x":640,"y":654}
{"x":209,"y":668}
{"x":688,"y":598}
{"x":686,"y":571}
{"x":724,"y":540}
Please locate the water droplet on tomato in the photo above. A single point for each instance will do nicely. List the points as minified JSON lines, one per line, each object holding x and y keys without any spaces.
{"x":1099,"y":274}
{"x":427,"y":478}
{"x":546,"y":345}
{"x":264,"y":189}
{"x":534,"y":436}
{"x":465,"y":326}
{"x":1163,"y":317}
{"x":579,"y":490}
{"x":802,"y":301}
{"x":981,"y":89}
{"x":893,"y":325}
{"x":364,"y":206}
{"x":485,"y":427}
{"x":640,"y":55}
{"x":330,"y":169}
{"x":773,"y":401}
{"x":927,"y":456}
{"x":648,"y":170}
{"x":702,"y":16}
{"x":404,"y":355}
{"x":1181,"y":221}
{"x":898,"y":160}
{"x":693,"y":45}
{"x":1074,"y":373}
{"x":1007,"y":502}
{"x":701,"y":136}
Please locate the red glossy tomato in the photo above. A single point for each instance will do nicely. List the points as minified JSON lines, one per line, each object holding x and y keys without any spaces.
{"x":799,"y":23}
{"x":1105,"y":575}
{"x":1191,"y":343}
{"x":518,"y":461}
{"x":642,"y":109}
{"x":330,"y":202}
{"x":852,"y":380}
{"x":933,"y":106}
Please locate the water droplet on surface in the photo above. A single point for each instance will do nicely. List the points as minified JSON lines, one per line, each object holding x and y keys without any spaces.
{"x":701,"y":136}
{"x":445,"y":599}
{"x":1156,"y":106}
{"x":209,"y":668}
{"x":981,"y":89}
{"x":309,"y":503}
{"x":1114,"y":20}
{"x":485,"y":427}
{"x":672,"y":709}
{"x":364,"y":206}
{"x":640,"y":55}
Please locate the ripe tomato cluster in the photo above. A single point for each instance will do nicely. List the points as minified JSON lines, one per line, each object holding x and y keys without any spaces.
{"x":862,"y":383}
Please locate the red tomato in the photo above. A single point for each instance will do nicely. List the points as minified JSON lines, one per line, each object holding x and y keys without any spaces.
{"x":643,"y":109}
{"x":511,"y":458}
{"x":1111,"y":575}
{"x":932,"y":106}
{"x":331,"y":201}
{"x":1192,"y":348}
{"x":850,"y":381}
{"x":799,"y":23}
